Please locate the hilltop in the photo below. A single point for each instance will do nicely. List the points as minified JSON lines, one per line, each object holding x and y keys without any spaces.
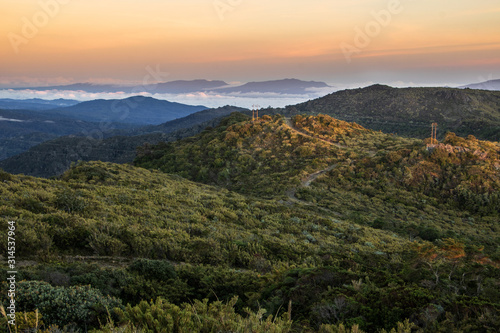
{"x":260,"y":157}
{"x":410,"y":111}
{"x":137,"y":110}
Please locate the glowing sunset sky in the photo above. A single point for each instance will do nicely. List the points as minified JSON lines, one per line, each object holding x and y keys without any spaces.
{"x":423,"y":41}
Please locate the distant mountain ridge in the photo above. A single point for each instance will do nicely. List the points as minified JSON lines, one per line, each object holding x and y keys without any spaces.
{"x":137,"y":110}
{"x":410,"y":111}
{"x":178,"y":86}
{"x":486,"y":85}
{"x":184,"y":86}
{"x":288,"y":86}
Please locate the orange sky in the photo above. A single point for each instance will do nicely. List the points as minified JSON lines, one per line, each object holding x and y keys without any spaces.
{"x":106,"y":40}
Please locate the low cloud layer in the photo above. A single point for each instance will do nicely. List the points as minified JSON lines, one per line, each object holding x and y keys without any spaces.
{"x":198,"y":98}
{"x":209,"y":99}
{"x":9,"y":119}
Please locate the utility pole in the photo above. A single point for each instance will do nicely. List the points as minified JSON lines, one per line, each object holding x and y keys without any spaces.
{"x":255,"y":112}
{"x":434,"y":133}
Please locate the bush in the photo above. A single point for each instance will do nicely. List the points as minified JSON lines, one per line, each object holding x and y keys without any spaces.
{"x":4,"y":176}
{"x":154,"y":269}
{"x":162,"y":316}
{"x":25,"y":321}
{"x":69,"y":201}
{"x":79,"y":306}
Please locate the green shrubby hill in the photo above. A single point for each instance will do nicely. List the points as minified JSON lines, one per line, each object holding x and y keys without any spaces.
{"x":370,"y":177}
{"x":296,"y":224}
{"x":410,"y":111}
{"x":119,"y":210}
{"x":265,"y":157}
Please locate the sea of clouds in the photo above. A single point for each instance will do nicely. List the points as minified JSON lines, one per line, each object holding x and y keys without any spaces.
{"x":210,"y":99}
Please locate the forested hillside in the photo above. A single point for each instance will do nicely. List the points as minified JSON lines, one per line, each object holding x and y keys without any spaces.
{"x":53,"y":157}
{"x":303,"y":224}
{"x":20,"y":129}
{"x":137,"y":110}
{"x":410,"y":111}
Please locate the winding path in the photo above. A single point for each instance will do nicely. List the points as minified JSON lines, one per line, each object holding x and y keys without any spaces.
{"x":289,"y":123}
{"x":312,"y":177}
{"x":315,"y":175}
{"x":307,"y":182}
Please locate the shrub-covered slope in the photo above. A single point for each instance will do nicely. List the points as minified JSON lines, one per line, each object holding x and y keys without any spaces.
{"x":265,"y":157}
{"x":365,"y":176}
{"x":315,"y":222}
{"x":410,"y":111}
{"x":220,"y":244}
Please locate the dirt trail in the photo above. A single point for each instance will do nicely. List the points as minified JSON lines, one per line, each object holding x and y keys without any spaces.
{"x":312,"y":177}
{"x":307,"y":182}
{"x":289,"y":123}
{"x":315,"y":175}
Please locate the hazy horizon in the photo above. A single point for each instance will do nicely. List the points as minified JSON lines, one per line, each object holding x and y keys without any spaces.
{"x":52,"y":42}
{"x":209,"y":99}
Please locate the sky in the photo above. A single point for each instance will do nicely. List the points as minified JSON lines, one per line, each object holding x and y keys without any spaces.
{"x":344,"y":43}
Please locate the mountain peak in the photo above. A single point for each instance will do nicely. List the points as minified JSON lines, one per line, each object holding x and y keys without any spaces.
{"x":137,"y":110}
{"x":283,"y":86}
{"x":378,"y":86}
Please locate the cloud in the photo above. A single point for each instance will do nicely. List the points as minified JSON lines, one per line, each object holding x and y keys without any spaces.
{"x":9,"y":119}
{"x":215,"y":99}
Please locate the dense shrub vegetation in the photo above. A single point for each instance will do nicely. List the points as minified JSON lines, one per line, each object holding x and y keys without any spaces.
{"x":323,"y":226}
